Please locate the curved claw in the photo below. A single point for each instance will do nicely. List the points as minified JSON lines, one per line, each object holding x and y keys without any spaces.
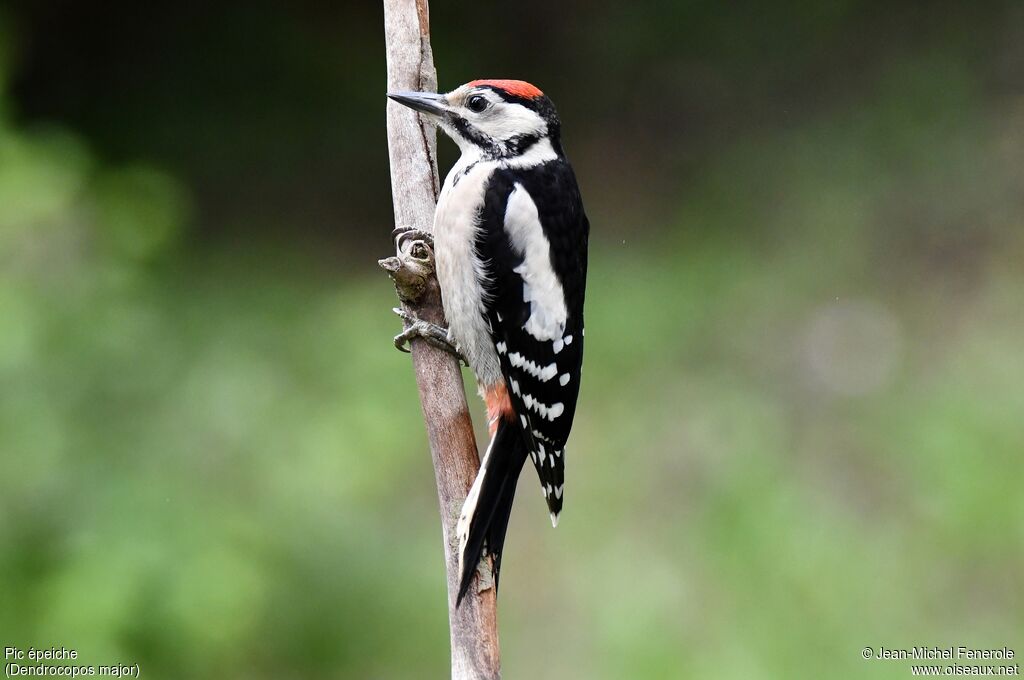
{"x":403,"y":234}
{"x":429,"y":332}
{"x":400,"y":343}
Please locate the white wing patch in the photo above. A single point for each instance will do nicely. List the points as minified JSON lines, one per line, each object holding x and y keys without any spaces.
{"x":541,"y":288}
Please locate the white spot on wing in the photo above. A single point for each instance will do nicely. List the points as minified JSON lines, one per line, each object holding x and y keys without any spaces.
{"x":541,"y":287}
{"x":563,"y":379}
{"x":545,"y":411}
{"x":501,"y":348}
{"x":542,"y":374}
{"x":557,"y":345}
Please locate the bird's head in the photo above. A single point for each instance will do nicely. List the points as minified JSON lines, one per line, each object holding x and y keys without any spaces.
{"x":492,"y":118}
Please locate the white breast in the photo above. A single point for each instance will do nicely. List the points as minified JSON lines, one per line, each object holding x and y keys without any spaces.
{"x":459,"y":269}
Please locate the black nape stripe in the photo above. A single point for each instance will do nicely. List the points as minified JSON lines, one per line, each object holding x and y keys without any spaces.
{"x":520,"y":143}
{"x":492,"y":149}
{"x":463,"y":127}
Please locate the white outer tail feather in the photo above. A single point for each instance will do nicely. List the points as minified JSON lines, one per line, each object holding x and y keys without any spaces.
{"x":469,"y":507}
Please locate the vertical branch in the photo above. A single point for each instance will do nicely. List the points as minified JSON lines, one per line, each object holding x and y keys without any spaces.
{"x":414,"y":183}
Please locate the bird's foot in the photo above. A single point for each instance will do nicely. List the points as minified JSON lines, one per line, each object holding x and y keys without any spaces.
{"x":431,"y":332}
{"x":403,"y":234}
{"x":412,"y":264}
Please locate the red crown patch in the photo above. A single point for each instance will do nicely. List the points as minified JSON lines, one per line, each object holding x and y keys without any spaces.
{"x":518,"y":88}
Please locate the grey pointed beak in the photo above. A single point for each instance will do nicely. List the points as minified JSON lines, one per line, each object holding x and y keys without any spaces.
{"x":424,"y":102}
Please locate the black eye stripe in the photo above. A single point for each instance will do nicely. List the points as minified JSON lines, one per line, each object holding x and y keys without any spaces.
{"x":471,"y":133}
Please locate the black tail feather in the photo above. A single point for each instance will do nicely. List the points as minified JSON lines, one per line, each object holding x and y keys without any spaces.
{"x":494,"y":505}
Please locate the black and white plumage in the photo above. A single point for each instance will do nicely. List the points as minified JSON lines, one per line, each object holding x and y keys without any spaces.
{"x":510,"y":239}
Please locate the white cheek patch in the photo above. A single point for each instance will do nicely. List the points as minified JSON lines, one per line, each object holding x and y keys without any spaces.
{"x":541,"y":288}
{"x":505,"y":121}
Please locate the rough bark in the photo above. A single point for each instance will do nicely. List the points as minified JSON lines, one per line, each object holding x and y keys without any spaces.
{"x":414,"y":182}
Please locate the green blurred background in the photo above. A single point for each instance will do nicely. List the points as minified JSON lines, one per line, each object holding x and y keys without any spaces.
{"x":802,"y":416}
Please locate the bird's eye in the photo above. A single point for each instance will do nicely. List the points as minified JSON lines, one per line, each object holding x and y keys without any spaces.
{"x":476,"y":103}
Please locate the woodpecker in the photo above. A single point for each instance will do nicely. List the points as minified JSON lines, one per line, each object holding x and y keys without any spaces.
{"x":510,"y":245}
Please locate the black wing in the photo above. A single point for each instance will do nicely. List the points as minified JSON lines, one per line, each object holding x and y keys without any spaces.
{"x":540,"y":357}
